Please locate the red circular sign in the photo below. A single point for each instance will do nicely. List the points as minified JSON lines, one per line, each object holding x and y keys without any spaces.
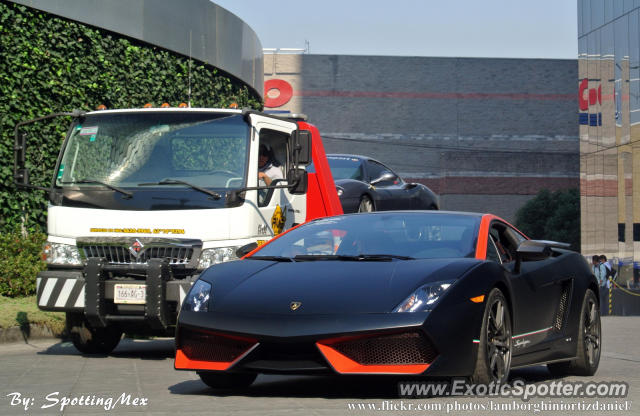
{"x":277,"y":92}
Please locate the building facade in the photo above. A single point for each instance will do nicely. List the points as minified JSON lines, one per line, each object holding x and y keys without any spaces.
{"x":609,"y":122}
{"x":485,"y":134}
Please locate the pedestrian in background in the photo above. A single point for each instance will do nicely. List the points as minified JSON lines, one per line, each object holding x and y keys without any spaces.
{"x":599,"y":271}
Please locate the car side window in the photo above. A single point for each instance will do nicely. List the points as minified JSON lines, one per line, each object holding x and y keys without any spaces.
{"x":376,"y":170}
{"x":505,"y":241}
{"x":492,"y":251}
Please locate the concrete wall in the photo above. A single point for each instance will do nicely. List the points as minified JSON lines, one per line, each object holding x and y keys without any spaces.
{"x":486,"y":134}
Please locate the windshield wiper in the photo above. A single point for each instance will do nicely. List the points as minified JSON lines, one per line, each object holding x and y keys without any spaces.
{"x":273,"y":258}
{"x":127,"y":195}
{"x":383,"y":257}
{"x":214,"y":194}
{"x":359,"y":257}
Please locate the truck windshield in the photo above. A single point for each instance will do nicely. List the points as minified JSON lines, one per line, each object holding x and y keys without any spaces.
{"x":125,"y":150}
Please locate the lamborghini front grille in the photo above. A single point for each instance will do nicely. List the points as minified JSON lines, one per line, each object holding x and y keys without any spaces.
{"x":204,"y":346}
{"x":394,"y":349}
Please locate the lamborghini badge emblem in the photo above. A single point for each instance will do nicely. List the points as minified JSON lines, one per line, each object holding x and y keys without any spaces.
{"x":295,"y":305}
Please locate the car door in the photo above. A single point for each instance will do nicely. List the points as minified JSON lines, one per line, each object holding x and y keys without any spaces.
{"x":536,"y":291}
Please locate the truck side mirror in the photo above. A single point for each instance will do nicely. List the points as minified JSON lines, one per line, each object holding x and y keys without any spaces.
{"x":298,"y":180}
{"x":301,"y":147}
{"x":20,"y":172}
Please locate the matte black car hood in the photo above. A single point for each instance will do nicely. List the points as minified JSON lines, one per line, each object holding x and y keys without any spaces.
{"x":324,"y":287}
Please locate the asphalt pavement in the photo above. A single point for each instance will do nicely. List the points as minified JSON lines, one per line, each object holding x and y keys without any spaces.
{"x":51,"y":377}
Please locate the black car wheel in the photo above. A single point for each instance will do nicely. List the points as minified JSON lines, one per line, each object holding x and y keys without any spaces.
{"x":494,"y":350}
{"x":227,"y":380}
{"x":366,"y":205}
{"x":589,"y":342}
{"x":90,"y":340}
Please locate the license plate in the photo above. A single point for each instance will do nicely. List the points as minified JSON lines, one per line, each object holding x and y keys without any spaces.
{"x":135,"y":294}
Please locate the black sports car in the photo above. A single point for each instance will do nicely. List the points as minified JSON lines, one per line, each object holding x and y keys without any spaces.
{"x":415,"y":293}
{"x":366,"y":185}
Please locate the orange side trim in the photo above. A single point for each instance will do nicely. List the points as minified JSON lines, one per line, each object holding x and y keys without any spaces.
{"x":345,"y":365}
{"x":483,"y":234}
{"x":185,"y":363}
{"x":483,"y":237}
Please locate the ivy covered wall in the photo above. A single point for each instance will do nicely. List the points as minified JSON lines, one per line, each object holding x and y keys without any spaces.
{"x":49,"y":64}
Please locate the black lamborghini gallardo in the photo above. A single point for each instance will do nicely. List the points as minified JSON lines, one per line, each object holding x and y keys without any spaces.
{"x":429,"y":293}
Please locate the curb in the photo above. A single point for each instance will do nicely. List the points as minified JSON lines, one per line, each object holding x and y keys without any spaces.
{"x":26,"y":333}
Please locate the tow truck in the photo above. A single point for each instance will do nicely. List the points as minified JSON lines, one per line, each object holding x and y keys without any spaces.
{"x":141,"y":201}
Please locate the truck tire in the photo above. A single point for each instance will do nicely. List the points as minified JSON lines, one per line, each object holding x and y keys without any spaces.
{"x":89,"y":340}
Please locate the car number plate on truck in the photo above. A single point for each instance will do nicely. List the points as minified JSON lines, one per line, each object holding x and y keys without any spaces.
{"x":135,"y":294}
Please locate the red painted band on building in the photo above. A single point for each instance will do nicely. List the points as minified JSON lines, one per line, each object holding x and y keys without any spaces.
{"x":435,"y":95}
{"x":512,"y":185}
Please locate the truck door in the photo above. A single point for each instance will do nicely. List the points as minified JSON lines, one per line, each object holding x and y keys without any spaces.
{"x":277,"y":209}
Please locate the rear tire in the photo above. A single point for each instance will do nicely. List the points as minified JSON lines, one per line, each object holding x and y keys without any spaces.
{"x":90,"y":340}
{"x":589,"y":342}
{"x":227,"y":380}
{"x":495,"y":348}
{"x":366,"y":205}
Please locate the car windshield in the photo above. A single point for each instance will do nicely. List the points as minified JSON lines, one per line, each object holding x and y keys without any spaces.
{"x":343,"y":167}
{"x":131,"y":149}
{"x":403,"y":235}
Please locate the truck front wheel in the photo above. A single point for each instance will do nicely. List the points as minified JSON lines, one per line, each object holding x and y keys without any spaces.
{"x":90,"y":340}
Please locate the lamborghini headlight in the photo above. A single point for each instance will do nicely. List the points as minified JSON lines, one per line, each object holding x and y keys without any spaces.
{"x":424,"y":298}
{"x":211,"y":256}
{"x":339,"y":190}
{"x":198,"y":298}
{"x":61,"y":254}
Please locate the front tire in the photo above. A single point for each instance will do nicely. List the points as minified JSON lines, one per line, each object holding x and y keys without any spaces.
{"x":90,"y":340}
{"x":366,"y":205}
{"x":227,"y":380}
{"x":495,"y":348}
{"x":589,"y":342}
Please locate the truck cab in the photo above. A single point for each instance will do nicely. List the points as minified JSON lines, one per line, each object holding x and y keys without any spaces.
{"x":143,"y":200}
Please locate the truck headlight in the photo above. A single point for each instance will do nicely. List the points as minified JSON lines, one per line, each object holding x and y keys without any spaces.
{"x":424,"y":298}
{"x":198,"y":298}
{"x":211,"y":256}
{"x":61,"y":254}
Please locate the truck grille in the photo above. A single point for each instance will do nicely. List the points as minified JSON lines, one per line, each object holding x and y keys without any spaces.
{"x":140,"y":250}
{"x":122,"y":255}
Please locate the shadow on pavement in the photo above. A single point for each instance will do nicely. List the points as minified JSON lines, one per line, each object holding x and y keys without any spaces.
{"x":330,"y":387}
{"x":156,"y":349}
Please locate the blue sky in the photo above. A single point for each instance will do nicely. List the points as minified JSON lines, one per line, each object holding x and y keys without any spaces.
{"x":463,"y":28}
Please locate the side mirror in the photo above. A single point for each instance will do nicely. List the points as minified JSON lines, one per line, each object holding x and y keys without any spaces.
{"x":20,"y":172}
{"x":387,"y":176}
{"x":301,"y":147}
{"x":246,"y":249}
{"x":299,"y":180}
{"x":534,"y":250}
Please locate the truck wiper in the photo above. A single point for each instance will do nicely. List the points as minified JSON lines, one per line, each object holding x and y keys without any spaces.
{"x":359,"y":257}
{"x":273,"y":258}
{"x":128,"y":195}
{"x":214,"y":194}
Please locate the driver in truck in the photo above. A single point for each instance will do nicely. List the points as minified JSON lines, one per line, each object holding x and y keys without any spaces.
{"x":268,"y":167}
